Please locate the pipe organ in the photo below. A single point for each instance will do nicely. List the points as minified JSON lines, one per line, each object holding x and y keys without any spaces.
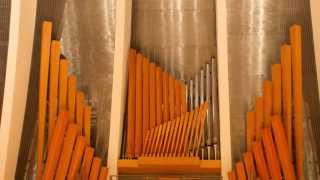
{"x":274,"y":128}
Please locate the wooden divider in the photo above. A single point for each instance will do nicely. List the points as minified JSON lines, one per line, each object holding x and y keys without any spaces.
{"x":259,"y":117}
{"x":152,"y":93}
{"x":158,"y":89}
{"x":87,"y":124}
{"x":72,"y":90}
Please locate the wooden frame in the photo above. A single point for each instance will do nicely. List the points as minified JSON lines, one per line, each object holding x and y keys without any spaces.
{"x":315,"y":16}
{"x":119,"y":85}
{"x":223,"y":91}
{"x":22,"y":23}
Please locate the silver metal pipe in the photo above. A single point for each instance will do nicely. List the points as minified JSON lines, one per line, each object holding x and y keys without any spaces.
{"x":202,"y":95}
{"x":191,"y":103}
{"x":196,"y":90}
{"x":215,"y":109}
{"x":209,"y":112}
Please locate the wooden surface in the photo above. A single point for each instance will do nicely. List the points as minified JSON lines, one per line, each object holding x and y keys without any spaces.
{"x":146,"y":165}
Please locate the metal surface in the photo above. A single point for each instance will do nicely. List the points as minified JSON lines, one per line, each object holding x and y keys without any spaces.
{"x":179,"y":34}
{"x":88,"y":42}
{"x":256,"y":30}
{"x":4,"y":35}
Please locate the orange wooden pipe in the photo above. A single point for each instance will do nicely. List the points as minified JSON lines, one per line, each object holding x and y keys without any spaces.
{"x":165,"y":86}
{"x":103,"y":173}
{"x":86,"y":163}
{"x":296,"y":45}
{"x":63,"y":84}
{"x":271,"y":154}
{"x":46,"y":32}
{"x":53,"y":86}
{"x":55,"y":146}
{"x":87,"y":123}
{"x":72,"y":90}
{"x":68,"y":144}
{"x":232,"y":175}
{"x":249,"y":165}
{"x":131,"y":103}
{"x":287,"y":92}
{"x":152,"y":93}
{"x":276,"y":90}
{"x":282,"y":147}
{"x":259,"y":117}
{"x":251,"y":129}
{"x":159,"y":95}
{"x":145,"y":97}
{"x":139,"y":116}
{"x":79,"y":110}
{"x":76,"y":157}
{"x":241,"y":171}
{"x":260,"y":160}
{"x":267,"y":103}
{"x":95,"y":168}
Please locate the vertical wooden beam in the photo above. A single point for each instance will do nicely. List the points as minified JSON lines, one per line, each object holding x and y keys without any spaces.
{"x":43,"y":90}
{"x":53,"y":86}
{"x":287,"y":92}
{"x":119,"y":83}
{"x":282,"y":148}
{"x":267,"y":103}
{"x":232,"y":175}
{"x":131,"y":103}
{"x":276,"y":90}
{"x":295,"y":39}
{"x":21,"y":37}
{"x":223,"y":87}
{"x":183,"y":98}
